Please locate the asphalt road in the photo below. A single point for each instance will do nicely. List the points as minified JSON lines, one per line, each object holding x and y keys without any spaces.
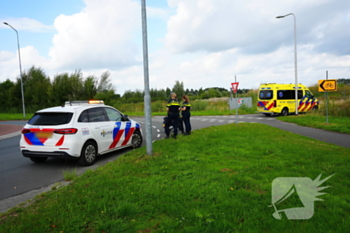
{"x":21,"y":179}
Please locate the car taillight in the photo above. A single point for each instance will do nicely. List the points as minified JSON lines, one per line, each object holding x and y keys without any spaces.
{"x":66,"y":131}
{"x":24,"y":131}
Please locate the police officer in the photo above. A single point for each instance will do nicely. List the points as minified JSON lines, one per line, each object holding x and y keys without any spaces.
{"x":186,"y":114}
{"x":173,"y":109}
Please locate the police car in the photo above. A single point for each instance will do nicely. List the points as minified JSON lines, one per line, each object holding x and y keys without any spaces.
{"x":78,"y":129}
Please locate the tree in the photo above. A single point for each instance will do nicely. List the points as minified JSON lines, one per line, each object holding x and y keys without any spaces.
{"x":104,"y":83}
{"x":344,"y":81}
{"x":5,"y":97}
{"x":167,"y":92}
{"x":90,"y":89}
{"x":179,"y":89}
{"x":36,"y":88}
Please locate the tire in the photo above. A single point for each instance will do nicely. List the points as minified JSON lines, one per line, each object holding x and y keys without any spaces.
{"x":38,"y":159}
{"x":284,"y":112}
{"x":88,"y":154}
{"x":136,"y":140}
{"x":315,"y":108}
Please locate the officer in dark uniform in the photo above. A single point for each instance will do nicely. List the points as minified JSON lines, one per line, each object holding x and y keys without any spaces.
{"x":173,"y":108}
{"x":186,"y":114}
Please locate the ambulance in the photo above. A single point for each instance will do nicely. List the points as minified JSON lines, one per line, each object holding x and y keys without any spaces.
{"x":279,"y":99}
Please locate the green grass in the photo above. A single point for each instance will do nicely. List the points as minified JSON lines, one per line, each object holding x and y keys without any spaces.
{"x":14,"y":116}
{"x":69,"y":174}
{"x":219,"y":179}
{"x":336,"y":124}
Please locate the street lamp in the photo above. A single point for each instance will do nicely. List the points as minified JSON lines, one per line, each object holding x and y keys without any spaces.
{"x":20,"y":69}
{"x":295,"y":60}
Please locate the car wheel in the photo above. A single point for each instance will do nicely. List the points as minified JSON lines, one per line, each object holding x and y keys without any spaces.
{"x":284,"y":112}
{"x":38,"y":159}
{"x":88,"y":154}
{"x":136,"y":140}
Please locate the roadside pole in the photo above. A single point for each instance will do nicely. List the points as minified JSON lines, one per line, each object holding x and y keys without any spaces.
{"x":234,"y":87}
{"x":326,"y":98}
{"x":147,"y":98}
{"x":236,"y":102}
{"x":231,"y":99}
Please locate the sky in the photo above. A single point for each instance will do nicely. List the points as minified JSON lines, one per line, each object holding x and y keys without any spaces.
{"x":202,"y":43}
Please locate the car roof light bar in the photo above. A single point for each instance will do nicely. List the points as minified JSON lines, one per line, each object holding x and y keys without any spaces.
{"x":83,"y":102}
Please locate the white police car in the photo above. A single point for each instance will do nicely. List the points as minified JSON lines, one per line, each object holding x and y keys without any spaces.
{"x":79,"y":129}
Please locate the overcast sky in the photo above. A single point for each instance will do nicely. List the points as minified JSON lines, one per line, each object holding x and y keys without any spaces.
{"x":202,"y":43}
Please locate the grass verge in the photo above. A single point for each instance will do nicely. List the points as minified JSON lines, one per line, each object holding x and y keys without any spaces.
{"x":336,"y":124}
{"x":14,"y":116}
{"x":219,"y":179}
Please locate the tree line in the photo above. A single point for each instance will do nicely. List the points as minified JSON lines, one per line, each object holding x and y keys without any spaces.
{"x":42,"y":92}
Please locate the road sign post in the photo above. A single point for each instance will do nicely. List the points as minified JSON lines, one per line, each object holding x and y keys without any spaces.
{"x":234,"y":89}
{"x":327,"y":85}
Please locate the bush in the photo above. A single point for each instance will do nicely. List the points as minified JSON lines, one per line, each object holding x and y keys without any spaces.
{"x":158,"y":106}
{"x":199,"y":105}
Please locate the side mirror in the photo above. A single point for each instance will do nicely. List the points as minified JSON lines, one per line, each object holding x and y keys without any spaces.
{"x":125,"y":118}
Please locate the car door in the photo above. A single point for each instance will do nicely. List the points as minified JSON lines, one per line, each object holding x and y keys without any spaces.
{"x":101,"y":128}
{"x":122,"y":130}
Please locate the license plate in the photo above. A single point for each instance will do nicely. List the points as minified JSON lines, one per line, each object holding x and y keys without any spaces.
{"x":44,"y":134}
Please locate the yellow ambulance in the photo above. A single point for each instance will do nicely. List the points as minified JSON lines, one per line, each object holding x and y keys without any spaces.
{"x":276,"y":98}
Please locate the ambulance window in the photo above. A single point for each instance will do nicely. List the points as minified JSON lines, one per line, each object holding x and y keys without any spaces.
{"x":300,"y":94}
{"x":265,"y":95}
{"x":288,"y":94}
{"x":308,"y":94}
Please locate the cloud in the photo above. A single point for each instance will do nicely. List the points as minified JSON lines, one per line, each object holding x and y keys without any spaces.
{"x":201,"y":43}
{"x":102,"y":35}
{"x":26,"y":24}
{"x":252,"y":26}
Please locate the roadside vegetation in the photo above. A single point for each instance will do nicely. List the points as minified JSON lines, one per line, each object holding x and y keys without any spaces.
{"x":314,"y":120}
{"x":219,"y":179}
{"x":42,"y":92}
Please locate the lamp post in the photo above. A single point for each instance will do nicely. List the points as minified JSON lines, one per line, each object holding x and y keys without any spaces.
{"x":20,"y":69}
{"x":295,"y":60}
{"x":147,"y":97}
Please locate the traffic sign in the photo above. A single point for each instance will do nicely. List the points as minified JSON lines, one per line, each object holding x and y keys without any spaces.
{"x":327,"y":85}
{"x":234,"y":87}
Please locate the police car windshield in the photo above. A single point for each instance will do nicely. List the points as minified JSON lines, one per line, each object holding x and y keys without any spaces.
{"x":51,"y":118}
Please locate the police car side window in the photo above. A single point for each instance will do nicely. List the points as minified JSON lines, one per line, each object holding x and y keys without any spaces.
{"x":83,"y":117}
{"x":113,"y":115}
{"x":97,"y":115}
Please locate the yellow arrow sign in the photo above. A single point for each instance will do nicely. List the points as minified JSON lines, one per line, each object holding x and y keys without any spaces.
{"x":326,"y":85}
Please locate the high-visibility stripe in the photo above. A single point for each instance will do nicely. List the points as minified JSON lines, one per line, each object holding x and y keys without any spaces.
{"x":128,"y":136}
{"x":31,"y":139}
{"x":116,"y":138}
{"x":60,"y":142}
{"x":270,"y":106}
